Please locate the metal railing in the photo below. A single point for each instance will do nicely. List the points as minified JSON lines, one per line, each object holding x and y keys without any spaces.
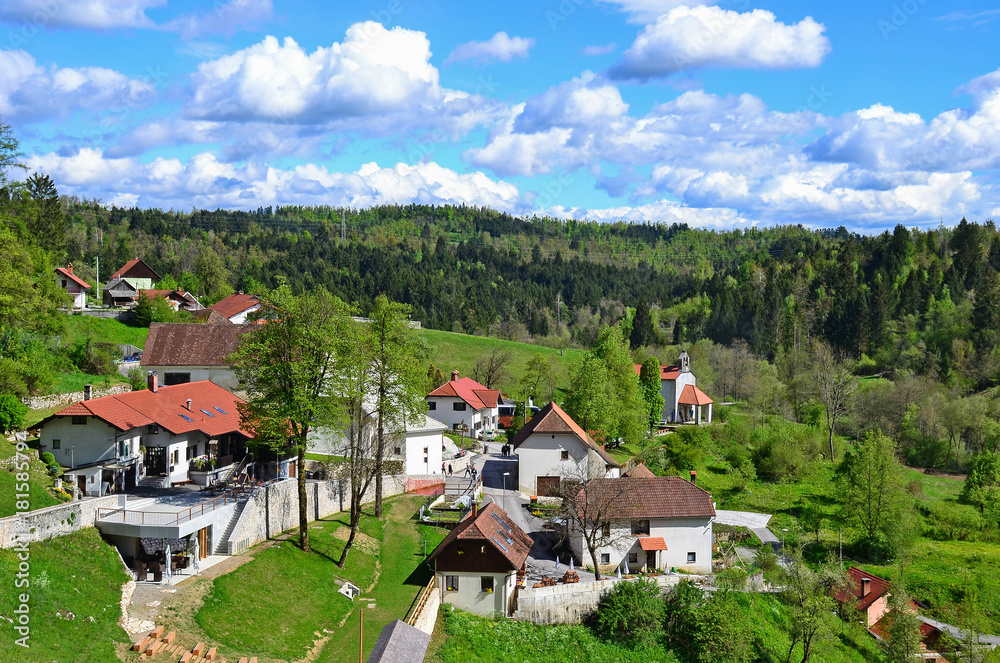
{"x":132,"y":517}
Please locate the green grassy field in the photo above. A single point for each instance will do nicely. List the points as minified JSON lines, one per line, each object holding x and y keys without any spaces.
{"x":75,"y":591}
{"x":450,"y":351}
{"x":39,"y":495}
{"x":278,"y":605}
{"x":104,"y":330}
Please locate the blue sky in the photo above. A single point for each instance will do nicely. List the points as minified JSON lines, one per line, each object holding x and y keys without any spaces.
{"x":728,"y":114}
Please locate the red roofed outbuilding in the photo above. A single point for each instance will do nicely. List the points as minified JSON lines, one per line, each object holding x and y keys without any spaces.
{"x":236,"y":308}
{"x":111,"y":443}
{"x":463,"y":401}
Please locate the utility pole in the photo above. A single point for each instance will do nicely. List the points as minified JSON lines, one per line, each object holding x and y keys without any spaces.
{"x":343,"y":225}
{"x":97,"y":284}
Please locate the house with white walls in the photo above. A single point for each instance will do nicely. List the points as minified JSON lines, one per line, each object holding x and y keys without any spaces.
{"x":552,"y":448}
{"x":465,"y":402}
{"x":477,"y":564}
{"x":683,"y":401}
{"x":73,"y":284}
{"x":109,"y":444}
{"x":180,"y":353}
{"x":236,"y":308}
{"x":646,"y":523}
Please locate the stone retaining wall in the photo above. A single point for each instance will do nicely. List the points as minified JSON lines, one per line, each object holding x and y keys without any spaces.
{"x":65,"y":400}
{"x":53,"y":521}
{"x":569,"y":604}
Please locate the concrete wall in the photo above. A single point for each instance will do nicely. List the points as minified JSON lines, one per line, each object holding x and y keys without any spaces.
{"x":52,"y":521}
{"x":671,"y":391}
{"x":569,"y":604}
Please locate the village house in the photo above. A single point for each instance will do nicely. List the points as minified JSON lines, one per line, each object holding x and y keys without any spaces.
{"x":683,"y":401}
{"x":119,"y":293}
{"x":236,"y":308}
{"x":464,"y":402}
{"x":552,"y":448}
{"x":73,"y":284}
{"x":162,"y":434}
{"x":137,"y":274}
{"x":178,"y":300}
{"x":184,"y":353}
{"x":476,"y":567}
{"x":648,"y":523}
{"x":418,"y":445}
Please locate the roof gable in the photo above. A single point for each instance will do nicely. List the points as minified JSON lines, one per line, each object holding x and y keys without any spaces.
{"x":646,"y":497}
{"x":180,"y":344}
{"x":692,"y":395}
{"x":470,"y":391}
{"x":136,"y":268}
{"x":553,"y":419}
{"x":66,"y":272}
{"x":491,"y":525}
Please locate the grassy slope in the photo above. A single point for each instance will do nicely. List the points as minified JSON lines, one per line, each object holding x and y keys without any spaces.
{"x":276,"y":605}
{"x":39,"y":495}
{"x":467,"y":638}
{"x":79,"y":573}
{"x":450,"y":351}
{"x":104,"y":330}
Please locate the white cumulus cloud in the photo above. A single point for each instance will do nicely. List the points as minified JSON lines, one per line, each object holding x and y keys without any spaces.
{"x":499,"y":48}
{"x":92,"y":14}
{"x":703,"y":36}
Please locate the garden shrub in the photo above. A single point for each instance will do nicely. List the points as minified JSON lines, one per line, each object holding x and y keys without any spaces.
{"x":630,"y":612}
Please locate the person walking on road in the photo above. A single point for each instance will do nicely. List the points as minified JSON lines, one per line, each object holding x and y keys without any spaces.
{"x":449,"y":470}
{"x":468,"y":471}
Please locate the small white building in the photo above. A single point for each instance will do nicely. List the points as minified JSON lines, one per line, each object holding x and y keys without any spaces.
{"x":73,"y":284}
{"x":683,"y":401}
{"x":182,"y":353}
{"x":418,"y":444}
{"x":109,"y":444}
{"x":465,"y":402}
{"x":647,"y":523}
{"x":552,"y":448}
{"x":476,"y":567}
{"x":236,"y":308}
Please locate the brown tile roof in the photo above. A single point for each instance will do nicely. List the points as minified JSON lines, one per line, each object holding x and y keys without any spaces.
{"x":495,"y":527}
{"x":877,"y":588}
{"x":136,"y":268}
{"x":470,"y":391}
{"x":639,"y":470}
{"x":692,"y":395}
{"x":553,"y":419}
{"x":235,"y":304}
{"x":646,"y":497}
{"x":210,"y":316}
{"x":168,"y":408}
{"x":68,"y":273}
{"x":180,"y":344}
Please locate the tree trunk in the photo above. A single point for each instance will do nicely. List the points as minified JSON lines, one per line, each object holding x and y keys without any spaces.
{"x":832,"y":459}
{"x":593,"y":558}
{"x":379,"y":455}
{"x":355,"y":519}
{"x":303,"y":501}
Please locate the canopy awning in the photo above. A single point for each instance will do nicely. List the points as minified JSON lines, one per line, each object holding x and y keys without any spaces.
{"x":653,"y":543}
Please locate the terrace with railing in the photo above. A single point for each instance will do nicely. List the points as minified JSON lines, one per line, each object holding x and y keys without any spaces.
{"x":166,"y":514}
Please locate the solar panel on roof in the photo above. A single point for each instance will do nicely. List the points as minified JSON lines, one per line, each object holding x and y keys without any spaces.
{"x":208,"y":413}
{"x":220,"y":410}
{"x":500,"y":520}
{"x":502,"y":546}
{"x":186,"y":418}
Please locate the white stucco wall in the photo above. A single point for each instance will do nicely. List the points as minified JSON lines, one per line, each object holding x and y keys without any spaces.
{"x":541,"y":456}
{"x":415,"y":444}
{"x":682,"y":536}
{"x":446,"y":413}
{"x":671,"y":391}
{"x":241,"y":318}
{"x":220,"y":375}
{"x":470,"y":596}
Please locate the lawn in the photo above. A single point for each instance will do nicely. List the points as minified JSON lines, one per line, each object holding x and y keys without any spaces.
{"x":278,"y":605}
{"x":464,"y":638}
{"x":79,"y":577}
{"x":450,"y":351}
{"x":105,"y":330}
{"x":39,"y":495}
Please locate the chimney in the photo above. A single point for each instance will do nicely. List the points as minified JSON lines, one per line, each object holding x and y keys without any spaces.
{"x":88,"y":392}
{"x":152,"y":382}
{"x":189,"y":404}
{"x":475,"y":508}
{"x":694,"y":477}
{"x":454,"y":375}
{"x":69,"y":268}
{"x":866,"y":586}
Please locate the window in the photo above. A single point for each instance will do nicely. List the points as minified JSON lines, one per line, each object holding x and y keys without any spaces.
{"x":640,"y":527}
{"x":458,"y":407}
{"x":176,"y":378}
{"x":563,"y":454}
{"x":90,"y":479}
{"x":79,"y":420}
{"x":633,"y":558}
{"x":486,"y":583}
{"x":692,"y":557}
{"x":431,"y":405}
{"x":451,"y":583}
{"x":399,"y":450}
{"x":606,"y":530}
{"x":605,"y":558}
{"x":57,"y":444}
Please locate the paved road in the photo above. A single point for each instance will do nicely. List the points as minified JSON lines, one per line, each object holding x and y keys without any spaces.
{"x":541,"y":560}
{"x":755,"y":522}
{"x":989,"y":640}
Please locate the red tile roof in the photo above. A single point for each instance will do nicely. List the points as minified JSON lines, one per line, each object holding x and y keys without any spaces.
{"x":652,"y":543}
{"x":639,"y":470}
{"x":470,"y":391}
{"x":180,"y":344}
{"x":136,"y":268}
{"x":68,"y":273}
{"x":877,"y":588}
{"x":235,"y":304}
{"x":692,"y":395}
{"x":495,"y":527}
{"x":553,"y":419}
{"x":644,"y":497}
{"x":666,"y":372}
{"x":214,"y":411}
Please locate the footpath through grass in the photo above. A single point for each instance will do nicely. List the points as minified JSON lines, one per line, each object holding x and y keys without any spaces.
{"x":283,"y":603}
{"x":75,"y":591}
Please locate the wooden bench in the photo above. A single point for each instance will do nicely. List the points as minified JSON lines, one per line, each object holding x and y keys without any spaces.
{"x":141,"y":645}
{"x":244,"y":660}
{"x":184,"y":482}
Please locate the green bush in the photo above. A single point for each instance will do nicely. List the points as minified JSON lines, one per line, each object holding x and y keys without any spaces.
{"x":47,"y":457}
{"x":630,"y":612}
{"x":12,"y":412}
